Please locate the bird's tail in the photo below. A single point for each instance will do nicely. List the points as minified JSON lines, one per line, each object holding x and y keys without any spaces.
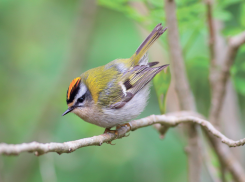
{"x":143,"y":48}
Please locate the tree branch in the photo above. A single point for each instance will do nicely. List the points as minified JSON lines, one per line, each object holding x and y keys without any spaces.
{"x":226,"y":158}
{"x":219,"y":75}
{"x":218,"y":81}
{"x":170,"y":120}
{"x":177,"y":61}
{"x":182,"y":87}
{"x":78,"y":47}
{"x":213,"y":62}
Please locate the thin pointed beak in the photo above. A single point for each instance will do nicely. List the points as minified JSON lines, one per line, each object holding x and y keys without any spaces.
{"x":68,"y":110}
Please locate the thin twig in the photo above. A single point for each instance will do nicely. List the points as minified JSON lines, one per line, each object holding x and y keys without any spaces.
{"x":226,"y":158}
{"x":213,"y":68}
{"x":219,"y":81}
{"x":171,"y":120}
{"x":219,"y":75}
{"x":211,"y":34}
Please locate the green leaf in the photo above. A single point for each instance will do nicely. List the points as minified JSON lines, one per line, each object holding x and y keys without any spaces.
{"x":156,"y":3}
{"x":240,"y":85}
{"x":161,"y":84}
{"x":222,"y":14}
{"x":242,"y":19}
{"x":227,"y":3}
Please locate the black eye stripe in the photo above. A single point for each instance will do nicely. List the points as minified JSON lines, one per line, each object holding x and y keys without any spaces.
{"x":81,"y":99}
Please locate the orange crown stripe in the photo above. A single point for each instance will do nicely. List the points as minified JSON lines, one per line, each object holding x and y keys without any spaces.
{"x":74,"y":83}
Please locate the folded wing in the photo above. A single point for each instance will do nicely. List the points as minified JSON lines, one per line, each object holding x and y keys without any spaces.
{"x":136,"y":79}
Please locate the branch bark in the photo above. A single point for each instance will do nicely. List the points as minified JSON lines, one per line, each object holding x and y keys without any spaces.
{"x":170,"y":120}
{"x":227,"y":159}
{"x":219,"y":80}
{"x":219,"y":75}
{"x":212,"y":38}
{"x":182,"y":87}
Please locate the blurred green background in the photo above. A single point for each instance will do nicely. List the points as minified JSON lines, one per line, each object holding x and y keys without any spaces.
{"x":44,"y":44}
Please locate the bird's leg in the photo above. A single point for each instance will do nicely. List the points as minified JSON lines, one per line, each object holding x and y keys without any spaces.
{"x":126,"y":124}
{"x":108,"y":130}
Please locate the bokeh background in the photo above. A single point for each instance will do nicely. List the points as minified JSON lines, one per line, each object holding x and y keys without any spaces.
{"x":45,"y":44}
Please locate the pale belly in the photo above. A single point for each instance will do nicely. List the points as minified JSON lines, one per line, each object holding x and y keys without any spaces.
{"x":112,"y":117}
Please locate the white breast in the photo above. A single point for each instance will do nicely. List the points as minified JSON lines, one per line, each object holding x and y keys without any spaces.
{"x":113,"y":117}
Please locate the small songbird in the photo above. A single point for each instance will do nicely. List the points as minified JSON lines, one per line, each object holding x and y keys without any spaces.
{"x":117,"y":92}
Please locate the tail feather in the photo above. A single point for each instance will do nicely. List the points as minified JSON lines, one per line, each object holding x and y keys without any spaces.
{"x":146,"y":44}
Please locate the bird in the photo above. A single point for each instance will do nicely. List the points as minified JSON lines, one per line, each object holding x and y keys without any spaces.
{"x":112,"y":95}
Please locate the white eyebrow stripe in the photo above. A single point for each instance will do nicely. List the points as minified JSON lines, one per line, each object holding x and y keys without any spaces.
{"x":82,"y":90}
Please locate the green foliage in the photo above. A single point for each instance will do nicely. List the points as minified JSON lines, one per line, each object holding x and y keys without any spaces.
{"x":242,"y":19}
{"x":161,"y":84}
{"x":124,"y":7}
{"x":240,"y":85}
{"x":227,"y":3}
{"x":235,"y":26}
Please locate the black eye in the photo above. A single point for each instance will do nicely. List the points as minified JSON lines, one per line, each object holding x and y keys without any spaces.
{"x":81,"y":99}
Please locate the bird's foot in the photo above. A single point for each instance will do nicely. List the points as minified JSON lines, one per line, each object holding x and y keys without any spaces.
{"x":122,"y":125}
{"x":126,"y":124}
{"x":108,"y":130}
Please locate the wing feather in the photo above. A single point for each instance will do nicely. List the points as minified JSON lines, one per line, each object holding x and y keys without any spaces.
{"x":136,"y":79}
